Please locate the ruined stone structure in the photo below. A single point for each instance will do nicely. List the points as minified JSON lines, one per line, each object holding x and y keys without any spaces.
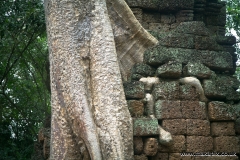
{"x":185,"y":84}
{"x":192,"y":43}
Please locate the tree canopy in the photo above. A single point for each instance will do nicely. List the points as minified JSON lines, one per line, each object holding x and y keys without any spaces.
{"x":24,"y":81}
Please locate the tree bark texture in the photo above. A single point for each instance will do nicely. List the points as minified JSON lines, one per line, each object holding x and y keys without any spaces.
{"x":90,"y":41}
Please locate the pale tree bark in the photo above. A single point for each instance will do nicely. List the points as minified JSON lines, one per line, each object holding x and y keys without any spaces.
{"x":88,"y":41}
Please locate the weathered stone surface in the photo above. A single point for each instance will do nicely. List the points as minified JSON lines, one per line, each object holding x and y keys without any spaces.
{"x":137,"y":145}
{"x":194,"y":27}
{"x":175,"y":126}
{"x":199,"y":144}
{"x":177,"y":156}
{"x":197,"y":70}
{"x":222,"y":129}
{"x":207,"y":43}
{"x":170,"y":70}
{"x":136,"y":108}
{"x":147,"y":4}
{"x":179,"y":145}
{"x":226,"y":144}
{"x":184,"y":16}
{"x":145,"y":127}
{"x":218,"y":111}
{"x":221,"y":87}
{"x":176,"y":40}
{"x":197,"y":127}
{"x":226,"y":40}
{"x":237,"y":126}
{"x":193,"y":110}
{"x":134,"y":90}
{"x":152,"y":17}
{"x":166,"y":5}
{"x":140,"y":157}
{"x":160,"y":156}
{"x":168,"y":109}
{"x":150,"y":146}
{"x":159,"y":28}
{"x":142,"y":69}
{"x":166,"y":90}
{"x":188,"y":92}
{"x":167,"y":18}
{"x":212,"y":59}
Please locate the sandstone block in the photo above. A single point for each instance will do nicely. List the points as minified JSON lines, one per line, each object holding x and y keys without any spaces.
{"x":178,"y":146}
{"x":226,"y":40}
{"x":207,"y":43}
{"x":170,"y":70}
{"x":160,"y":156}
{"x":137,"y":145}
{"x":145,"y":127}
{"x":197,"y":127}
{"x":212,"y":59}
{"x":151,"y":17}
{"x":220,"y":111}
{"x":166,"y":90}
{"x":136,"y":108}
{"x":184,"y":16}
{"x":227,"y":144}
{"x":173,"y":5}
{"x":168,"y":18}
{"x":168,"y":109}
{"x":134,"y":90}
{"x":188,"y":92}
{"x":222,"y":129}
{"x":197,"y":70}
{"x":176,"y":40}
{"x":143,"y":69}
{"x":147,"y":4}
{"x":193,"y":110}
{"x":140,"y":157}
{"x":175,"y":126}
{"x":194,"y":27}
{"x":159,"y":28}
{"x":199,"y":144}
{"x":221,"y":87}
{"x":150,"y":146}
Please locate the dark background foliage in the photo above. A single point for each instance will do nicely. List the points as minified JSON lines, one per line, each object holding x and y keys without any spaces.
{"x":24,"y":76}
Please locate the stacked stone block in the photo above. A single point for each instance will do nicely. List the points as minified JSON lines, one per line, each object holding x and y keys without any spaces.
{"x":191,"y":44}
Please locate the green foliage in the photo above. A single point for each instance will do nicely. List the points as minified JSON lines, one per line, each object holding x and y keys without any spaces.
{"x":24,"y":76}
{"x":233,"y":25}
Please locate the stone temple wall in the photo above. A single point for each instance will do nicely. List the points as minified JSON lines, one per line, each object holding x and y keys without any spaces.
{"x":185,"y":84}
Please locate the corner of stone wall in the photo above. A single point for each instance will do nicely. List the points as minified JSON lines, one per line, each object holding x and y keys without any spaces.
{"x":188,"y":80}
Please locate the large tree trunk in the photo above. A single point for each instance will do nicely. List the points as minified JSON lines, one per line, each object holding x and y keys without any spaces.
{"x":88,"y":102}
